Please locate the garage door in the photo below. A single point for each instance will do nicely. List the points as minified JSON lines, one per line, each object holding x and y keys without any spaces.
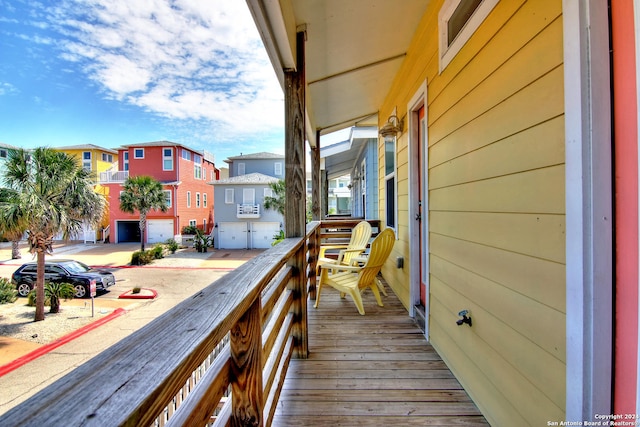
{"x":232,"y":235}
{"x":128,"y":231}
{"x":262,"y":234}
{"x":159,"y":230}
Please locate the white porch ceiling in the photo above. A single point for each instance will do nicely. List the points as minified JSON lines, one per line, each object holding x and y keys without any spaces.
{"x":354,"y":49}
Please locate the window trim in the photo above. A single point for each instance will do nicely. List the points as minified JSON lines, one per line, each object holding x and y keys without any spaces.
{"x":197,"y":200}
{"x":170,"y":198}
{"x":188,"y":199}
{"x":166,"y":158}
{"x":229,"y":196}
{"x":135,"y":153}
{"x":242,"y":168}
{"x":448,"y":51}
{"x":387,"y":178}
{"x":277,"y":168}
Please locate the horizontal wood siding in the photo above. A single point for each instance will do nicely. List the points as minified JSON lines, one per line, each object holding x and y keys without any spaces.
{"x":497,"y":206}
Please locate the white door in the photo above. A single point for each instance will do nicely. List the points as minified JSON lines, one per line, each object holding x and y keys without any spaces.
{"x":232,"y":235}
{"x":262,"y":234}
{"x":159,"y":230}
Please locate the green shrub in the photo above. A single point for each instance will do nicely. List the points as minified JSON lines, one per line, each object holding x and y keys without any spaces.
{"x":278,"y":237}
{"x":142,"y":258}
{"x":31,"y":299}
{"x":189,"y":229}
{"x":158,"y":251}
{"x":8,"y":293}
{"x":57,"y":291}
{"x":172,"y":245}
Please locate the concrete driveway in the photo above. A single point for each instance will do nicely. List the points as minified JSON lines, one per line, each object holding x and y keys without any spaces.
{"x":175,"y":278}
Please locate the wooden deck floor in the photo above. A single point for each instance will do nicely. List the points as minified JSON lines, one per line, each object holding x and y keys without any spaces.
{"x":372,"y":370}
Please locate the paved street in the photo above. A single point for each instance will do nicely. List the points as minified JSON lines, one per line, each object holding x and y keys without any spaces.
{"x":174,"y":278}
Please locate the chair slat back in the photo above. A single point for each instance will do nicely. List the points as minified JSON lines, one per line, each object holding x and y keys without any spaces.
{"x":380,"y":249}
{"x":360,"y":236}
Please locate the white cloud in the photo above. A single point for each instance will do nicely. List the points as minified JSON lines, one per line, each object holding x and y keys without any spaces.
{"x":182,"y":59}
{"x":7,"y":89}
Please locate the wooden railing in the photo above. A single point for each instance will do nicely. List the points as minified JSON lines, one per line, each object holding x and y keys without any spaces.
{"x":217,"y":358}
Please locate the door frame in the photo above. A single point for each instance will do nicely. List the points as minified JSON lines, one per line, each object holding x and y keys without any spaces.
{"x":418,"y":100}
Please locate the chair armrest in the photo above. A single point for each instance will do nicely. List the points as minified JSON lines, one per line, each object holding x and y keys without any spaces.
{"x":323,"y":248}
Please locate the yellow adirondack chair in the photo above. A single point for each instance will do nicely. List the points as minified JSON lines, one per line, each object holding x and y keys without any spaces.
{"x":353,"y":280}
{"x":360,"y":236}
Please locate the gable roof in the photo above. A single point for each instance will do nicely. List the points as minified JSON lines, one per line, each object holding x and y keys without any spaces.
{"x":86,"y":147}
{"x":205,"y":154}
{"x":255,"y":156}
{"x":250,"y":178}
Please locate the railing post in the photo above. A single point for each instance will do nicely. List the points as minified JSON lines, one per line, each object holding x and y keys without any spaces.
{"x":246,"y":369}
{"x":313,"y":250}
{"x":298,"y":285}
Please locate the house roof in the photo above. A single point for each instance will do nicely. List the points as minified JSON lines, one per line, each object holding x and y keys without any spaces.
{"x":255,"y":156}
{"x":86,"y":147}
{"x":250,"y":178}
{"x":205,"y":154}
{"x":353,"y":51}
{"x":339,"y":158}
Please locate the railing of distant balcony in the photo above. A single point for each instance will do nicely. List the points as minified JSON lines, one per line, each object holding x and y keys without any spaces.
{"x":113,"y":176}
{"x":164,"y":373}
{"x":247,"y":211}
{"x":217,"y":358}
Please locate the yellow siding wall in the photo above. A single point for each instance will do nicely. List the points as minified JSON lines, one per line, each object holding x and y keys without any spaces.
{"x":496,"y":206}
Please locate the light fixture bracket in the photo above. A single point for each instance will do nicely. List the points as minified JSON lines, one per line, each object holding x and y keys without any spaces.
{"x":393,"y":127}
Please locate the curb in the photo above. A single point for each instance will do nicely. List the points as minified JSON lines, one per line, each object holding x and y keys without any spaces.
{"x":46,"y":348}
{"x":131,"y":295}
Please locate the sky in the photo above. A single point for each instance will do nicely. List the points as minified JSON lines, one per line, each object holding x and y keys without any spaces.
{"x":115,"y":72}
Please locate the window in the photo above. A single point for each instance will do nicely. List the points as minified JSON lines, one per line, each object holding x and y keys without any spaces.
{"x":125,"y":160}
{"x":138,"y":153}
{"x":3,"y":153}
{"x":107,"y":158}
{"x":457,"y":21}
{"x":188,"y":199}
{"x":249,"y":196}
{"x":86,"y":160}
{"x":197,"y":166}
{"x":204,"y":200}
{"x":204,"y":173}
{"x":268,"y":192}
{"x":228,"y":195}
{"x":241,"y":169}
{"x":277,"y":169}
{"x":167,"y":159}
{"x":390,"y":180}
{"x":197,"y":200}
{"x":192,"y":222}
{"x":167,"y":197}
{"x":186,"y":154}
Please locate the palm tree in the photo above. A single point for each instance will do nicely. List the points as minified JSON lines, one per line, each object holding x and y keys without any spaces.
{"x":17,"y":229}
{"x":276,"y":202}
{"x":142,"y":193}
{"x":54,"y":195}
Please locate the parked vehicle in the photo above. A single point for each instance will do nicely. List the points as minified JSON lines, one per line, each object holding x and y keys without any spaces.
{"x":78,"y":274}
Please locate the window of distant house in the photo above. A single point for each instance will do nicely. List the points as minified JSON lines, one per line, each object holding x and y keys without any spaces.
{"x":167,"y":197}
{"x":249,"y":196}
{"x":107,"y":158}
{"x":3,"y":153}
{"x":192,"y":222}
{"x":390,"y":180}
{"x":204,"y":200}
{"x":228,"y":195}
{"x":277,"y":169}
{"x":125,"y":160}
{"x":186,"y":154}
{"x":197,"y":200}
{"x":241,"y":169}
{"x":167,"y":159}
{"x":138,"y":153}
{"x":197,"y":166}
{"x":188,"y":199}
{"x":268,"y":192}
{"x":457,"y":21}
{"x":86,"y":160}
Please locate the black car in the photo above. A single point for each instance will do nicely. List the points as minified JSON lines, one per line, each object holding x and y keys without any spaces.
{"x":79,"y":275}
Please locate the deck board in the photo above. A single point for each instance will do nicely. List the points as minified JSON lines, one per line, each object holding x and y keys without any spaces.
{"x":370,"y":370}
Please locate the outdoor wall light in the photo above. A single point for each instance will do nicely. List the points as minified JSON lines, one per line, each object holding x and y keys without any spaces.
{"x":393,"y":126}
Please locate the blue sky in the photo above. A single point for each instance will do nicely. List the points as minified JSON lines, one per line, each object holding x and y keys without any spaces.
{"x":113,"y":72}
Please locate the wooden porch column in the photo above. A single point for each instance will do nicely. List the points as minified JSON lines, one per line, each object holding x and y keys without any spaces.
{"x":315,"y":180}
{"x":246,"y":368}
{"x":296,"y":187}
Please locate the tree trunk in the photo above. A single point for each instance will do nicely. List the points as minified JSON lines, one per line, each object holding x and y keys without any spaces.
{"x":40,"y":286}
{"x":143,"y":222}
{"x":15,"y":249}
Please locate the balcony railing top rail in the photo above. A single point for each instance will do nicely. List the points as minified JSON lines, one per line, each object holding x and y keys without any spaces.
{"x":113,"y":177}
